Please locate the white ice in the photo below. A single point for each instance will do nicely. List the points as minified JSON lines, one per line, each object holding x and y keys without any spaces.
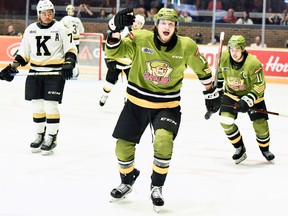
{"x":76,"y":181}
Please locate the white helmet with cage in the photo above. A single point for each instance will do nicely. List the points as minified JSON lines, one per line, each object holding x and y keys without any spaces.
{"x":44,"y":5}
{"x":70,"y":10}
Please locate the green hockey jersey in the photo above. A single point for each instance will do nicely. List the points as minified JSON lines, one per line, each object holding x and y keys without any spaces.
{"x":157,"y":71}
{"x":249,"y":78}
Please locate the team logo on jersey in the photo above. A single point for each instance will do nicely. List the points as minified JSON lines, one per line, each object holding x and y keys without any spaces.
{"x":147,"y":50}
{"x":158,"y":72}
{"x":236,"y":83}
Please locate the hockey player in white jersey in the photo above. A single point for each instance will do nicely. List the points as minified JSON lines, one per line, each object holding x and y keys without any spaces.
{"x":49,"y":48}
{"x":76,"y":27}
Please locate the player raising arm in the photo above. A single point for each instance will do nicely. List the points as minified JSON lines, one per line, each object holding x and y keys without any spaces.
{"x":49,"y":48}
{"x":120,"y":65}
{"x":159,"y":59}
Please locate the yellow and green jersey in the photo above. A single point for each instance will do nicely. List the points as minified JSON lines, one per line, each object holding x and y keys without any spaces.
{"x":248,"y":78}
{"x":157,"y":71}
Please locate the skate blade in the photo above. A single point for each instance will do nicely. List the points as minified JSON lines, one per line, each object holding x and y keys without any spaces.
{"x":35,"y":150}
{"x":46,"y":153}
{"x":157,"y":208}
{"x":271,"y":161}
{"x":244,"y":156}
{"x":114,"y":200}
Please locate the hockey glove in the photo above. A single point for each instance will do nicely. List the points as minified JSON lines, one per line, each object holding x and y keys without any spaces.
{"x":8,"y":73}
{"x":67,"y":69}
{"x":68,"y":65}
{"x":244,"y":104}
{"x":212,"y":100}
{"x":121,"y":19}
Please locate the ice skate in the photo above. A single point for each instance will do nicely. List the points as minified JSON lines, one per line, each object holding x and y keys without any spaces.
{"x":37,"y":143}
{"x":240,"y":154}
{"x":49,"y":144}
{"x":268,"y":156}
{"x":103,"y":100}
{"x":157,"y":198}
{"x":123,"y":190}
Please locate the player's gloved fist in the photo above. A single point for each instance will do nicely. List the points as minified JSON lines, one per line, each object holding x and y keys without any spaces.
{"x":67,"y":69}
{"x":212,"y":100}
{"x":244,"y":104}
{"x":8,"y":73}
{"x":121,"y":19}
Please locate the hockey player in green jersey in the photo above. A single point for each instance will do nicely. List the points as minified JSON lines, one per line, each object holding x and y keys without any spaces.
{"x":48,"y":46}
{"x":159,"y":59}
{"x":244,"y":89}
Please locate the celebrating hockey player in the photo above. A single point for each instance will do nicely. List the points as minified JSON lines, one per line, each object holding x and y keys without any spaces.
{"x":116,"y":66}
{"x":159,"y":59}
{"x":76,"y":27}
{"x":48,"y":46}
{"x":244,"y":89}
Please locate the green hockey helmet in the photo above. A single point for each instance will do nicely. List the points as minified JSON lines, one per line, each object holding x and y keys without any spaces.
{"x":237,"y":41}
{"x":166,"y":14}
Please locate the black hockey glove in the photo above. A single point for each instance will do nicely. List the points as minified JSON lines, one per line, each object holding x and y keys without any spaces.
{"x":244,"y":104}
{"x":212,"y":100}
{"x":121,"y":19}
{"x":8,"y":73}
{"x":68,"y":65}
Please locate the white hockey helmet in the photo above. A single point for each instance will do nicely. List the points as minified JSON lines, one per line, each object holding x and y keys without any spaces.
{"x":44,"y":5}
{"x":140,"y":19}
{"x":70,"y":10}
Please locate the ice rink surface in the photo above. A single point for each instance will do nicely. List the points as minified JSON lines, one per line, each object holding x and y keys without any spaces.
{"x":76,"y":181}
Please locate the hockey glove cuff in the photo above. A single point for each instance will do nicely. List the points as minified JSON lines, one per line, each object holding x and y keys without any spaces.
{"x":212,"y":100}
{"x":244,"y":104}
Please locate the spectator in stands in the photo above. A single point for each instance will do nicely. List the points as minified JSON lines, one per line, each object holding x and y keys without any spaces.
{"x":12,"y":32}
{"x":84,"y":11}
{"x":245,"y":19}
{"x":102,"y":14}
{"x":151,"y":14}
{"x":286,"y":44}
{"x":198,"y":38}
{"x":258,"y":43}
{"x":180,"y":15}
{"x":186,"y":17}
{"x":230,"y":18}
{"x":285,"y":20}
{"x":113,"y":12}
{"x":219,"y":5}
{"x":275,"y":19}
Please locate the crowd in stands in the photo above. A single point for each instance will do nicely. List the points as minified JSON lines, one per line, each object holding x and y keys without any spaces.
{"x":187,"y":9}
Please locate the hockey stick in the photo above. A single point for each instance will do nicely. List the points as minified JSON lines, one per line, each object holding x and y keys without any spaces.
{"x":37,"y":74}
{"x":222,"y":34}
{"x":258,"y":110}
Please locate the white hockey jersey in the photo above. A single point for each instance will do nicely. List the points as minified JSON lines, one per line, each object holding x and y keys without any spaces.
{"x":45,"y":47}
{"x":75,"y":25}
